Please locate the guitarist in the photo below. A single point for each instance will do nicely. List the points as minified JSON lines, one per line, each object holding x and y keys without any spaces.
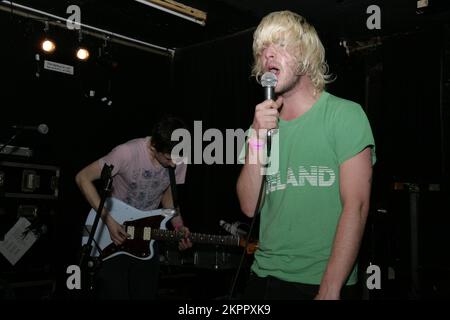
{"x":140,"y":179}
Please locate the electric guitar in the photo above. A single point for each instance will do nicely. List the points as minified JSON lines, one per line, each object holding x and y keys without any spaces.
{"x":144,"y":227}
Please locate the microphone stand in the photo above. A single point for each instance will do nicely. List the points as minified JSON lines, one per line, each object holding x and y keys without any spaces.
{"x":12,"y":138}
{"x":89,"y":264}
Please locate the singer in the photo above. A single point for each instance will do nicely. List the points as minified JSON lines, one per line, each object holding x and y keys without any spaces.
{"x":316,"y":203}
{"x":140,"y":179}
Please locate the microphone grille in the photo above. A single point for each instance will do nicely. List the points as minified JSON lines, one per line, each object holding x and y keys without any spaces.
{"x":269,"y":79}
{"x":42,"y":128}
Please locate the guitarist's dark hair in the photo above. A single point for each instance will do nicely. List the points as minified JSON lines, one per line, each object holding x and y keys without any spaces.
{"x":162,"y":133}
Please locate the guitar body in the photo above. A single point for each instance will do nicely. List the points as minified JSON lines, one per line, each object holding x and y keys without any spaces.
{"x":139,"y":224}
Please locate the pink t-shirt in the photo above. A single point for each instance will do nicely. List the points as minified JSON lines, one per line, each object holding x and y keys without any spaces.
{"x":136,"y":180}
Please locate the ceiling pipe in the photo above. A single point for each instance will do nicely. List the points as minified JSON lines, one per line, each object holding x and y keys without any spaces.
{"x":61,"y":22}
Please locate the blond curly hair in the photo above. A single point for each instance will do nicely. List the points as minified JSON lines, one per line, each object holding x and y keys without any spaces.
{"x":291,"y":30}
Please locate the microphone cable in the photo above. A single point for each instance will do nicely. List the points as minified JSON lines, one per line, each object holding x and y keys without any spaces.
{"x":247,"y":239}
{"x":268,"y":81}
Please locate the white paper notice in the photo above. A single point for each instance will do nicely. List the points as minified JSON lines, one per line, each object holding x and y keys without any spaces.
{"x":16,"y":243}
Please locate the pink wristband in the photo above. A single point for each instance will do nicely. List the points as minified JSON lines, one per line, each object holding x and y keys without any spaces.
{"x":256,"y":144}
{"x":178,"y":227}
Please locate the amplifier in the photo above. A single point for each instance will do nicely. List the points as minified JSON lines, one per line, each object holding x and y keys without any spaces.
{"x":27,"y":180}
{"x":201,"y":256}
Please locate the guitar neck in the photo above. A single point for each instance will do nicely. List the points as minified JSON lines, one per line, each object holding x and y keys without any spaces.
{"x":160,"y":234}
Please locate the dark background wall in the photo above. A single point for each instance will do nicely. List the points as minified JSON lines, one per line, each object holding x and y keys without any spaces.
{"x":402,"y":84}
{"x":213,"y":85}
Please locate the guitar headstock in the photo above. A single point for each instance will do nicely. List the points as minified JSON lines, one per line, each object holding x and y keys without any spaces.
{"x":251,"y":247}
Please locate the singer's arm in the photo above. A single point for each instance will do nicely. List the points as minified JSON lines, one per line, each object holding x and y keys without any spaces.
{"x":250,"y":178}
{"x":355,"y":184}
{"x":249,"y":182}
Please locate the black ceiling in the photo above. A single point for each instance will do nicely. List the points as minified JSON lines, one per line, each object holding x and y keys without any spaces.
{"x":344,"y":18}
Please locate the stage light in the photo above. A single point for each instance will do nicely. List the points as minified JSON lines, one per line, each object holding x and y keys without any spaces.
{"x":48,"y":46}
{"x":82,"y":53}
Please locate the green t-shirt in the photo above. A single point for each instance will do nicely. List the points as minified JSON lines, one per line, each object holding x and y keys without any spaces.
{"x":302,"y":204}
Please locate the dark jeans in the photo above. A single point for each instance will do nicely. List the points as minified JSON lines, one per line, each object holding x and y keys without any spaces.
{"x":271,"y":288}
{"x":124,"y":277}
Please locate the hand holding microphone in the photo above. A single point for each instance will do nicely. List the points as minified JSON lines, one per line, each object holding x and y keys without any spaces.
{"x":266,"y":116}
{"x":266,"y":113}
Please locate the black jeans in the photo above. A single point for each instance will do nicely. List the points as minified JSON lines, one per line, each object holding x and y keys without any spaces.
{"x":271,"y":288}
{"x":124,"y":277}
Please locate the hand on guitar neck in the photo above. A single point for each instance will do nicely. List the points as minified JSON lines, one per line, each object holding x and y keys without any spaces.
{"x":185,"y":242}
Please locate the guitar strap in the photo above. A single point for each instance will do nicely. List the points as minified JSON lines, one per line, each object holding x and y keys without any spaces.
{"x":173,"y":187}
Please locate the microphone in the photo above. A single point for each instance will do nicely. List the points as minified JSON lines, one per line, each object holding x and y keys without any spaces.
{"x":269,"y":82}
{"x":233,"y":228}
{"x":42,"y":128}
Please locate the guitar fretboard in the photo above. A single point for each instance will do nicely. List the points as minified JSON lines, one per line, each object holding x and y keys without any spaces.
{"x":161,"y":234}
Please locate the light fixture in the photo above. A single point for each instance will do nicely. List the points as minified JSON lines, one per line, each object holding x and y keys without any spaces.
{"x":422,"y":6}
{"x":82,"y":51}
{"x":177,"y":9}
{"x":47,"y":44}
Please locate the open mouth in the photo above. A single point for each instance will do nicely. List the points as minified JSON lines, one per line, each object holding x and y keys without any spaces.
{"x":274,"y":70}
